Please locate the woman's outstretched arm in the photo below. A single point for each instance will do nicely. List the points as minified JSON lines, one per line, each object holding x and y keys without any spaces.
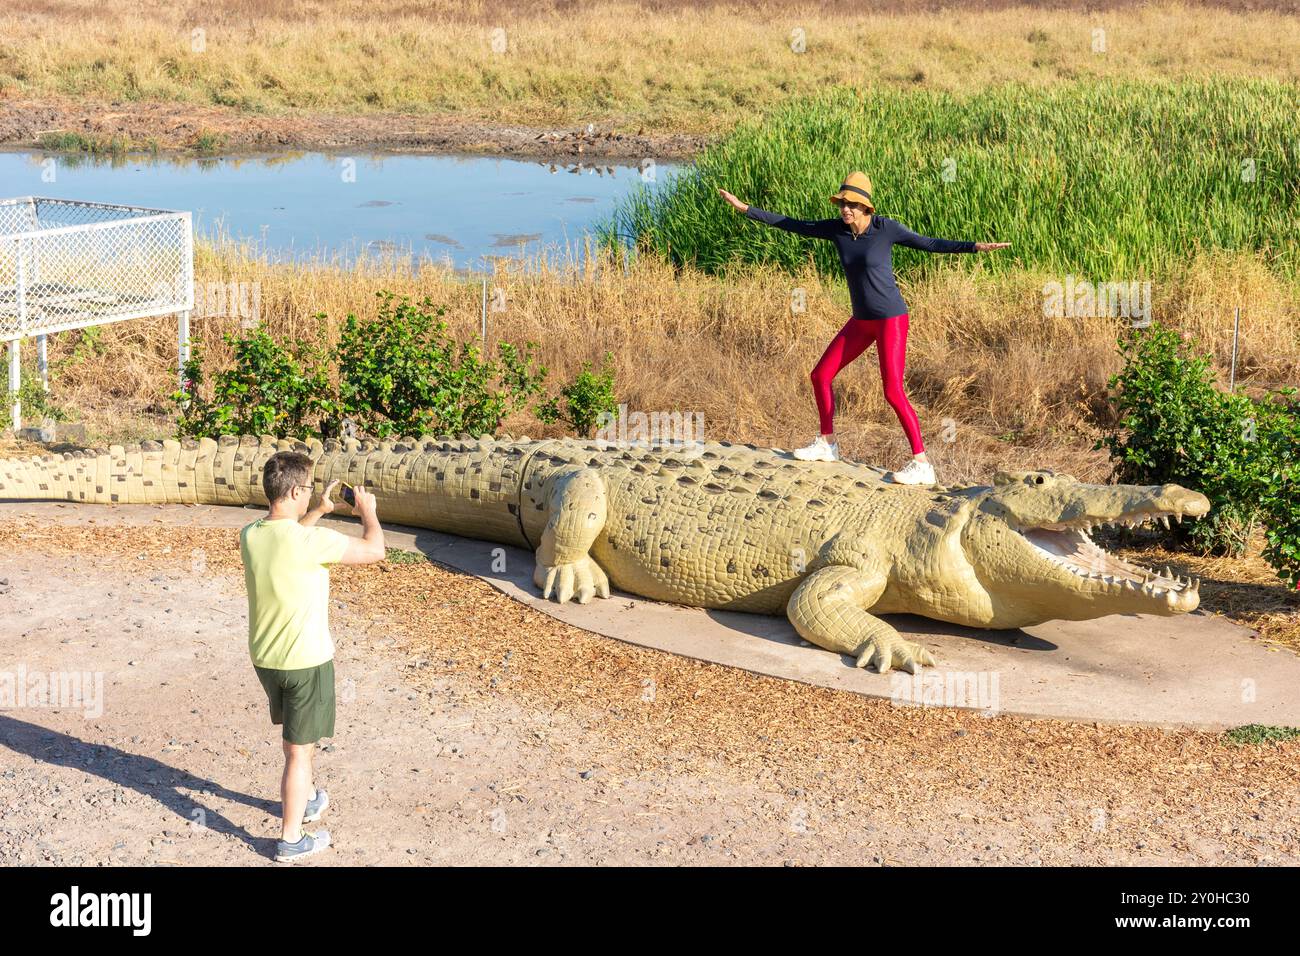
{"x":816,"y":228}
{"x":902,"y":236}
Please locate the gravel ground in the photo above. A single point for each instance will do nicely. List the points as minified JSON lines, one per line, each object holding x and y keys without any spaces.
{"x":473,"y":729}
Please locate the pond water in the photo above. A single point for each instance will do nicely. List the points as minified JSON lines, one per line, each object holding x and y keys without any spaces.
{"x":461,"y":210}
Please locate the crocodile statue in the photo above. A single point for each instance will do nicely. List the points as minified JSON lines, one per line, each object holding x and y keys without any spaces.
{"x":833,"y":545}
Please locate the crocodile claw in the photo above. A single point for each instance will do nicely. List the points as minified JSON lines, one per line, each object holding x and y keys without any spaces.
{"x":888,"y":652}
{"x":583,"y":579}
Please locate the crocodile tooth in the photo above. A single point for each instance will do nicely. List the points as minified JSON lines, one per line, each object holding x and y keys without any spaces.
{"x":1164,"y":520}
{"x":1196,"y":584}
{"x":1178,"y":516}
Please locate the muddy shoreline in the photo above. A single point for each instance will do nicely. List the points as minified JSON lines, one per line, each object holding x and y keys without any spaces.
{"x":171,"y":127}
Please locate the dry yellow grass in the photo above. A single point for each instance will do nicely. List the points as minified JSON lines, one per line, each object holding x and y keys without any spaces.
{"x":995,"y":382}
{"x":685,"y":68}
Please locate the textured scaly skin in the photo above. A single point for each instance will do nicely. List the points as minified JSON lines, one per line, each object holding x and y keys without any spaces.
{"x":716,"y":525}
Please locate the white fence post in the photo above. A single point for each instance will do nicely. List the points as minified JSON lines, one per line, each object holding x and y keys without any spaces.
{"x":187,"y":277}
{"x":14,"y":382}
{"x":15,"y":362}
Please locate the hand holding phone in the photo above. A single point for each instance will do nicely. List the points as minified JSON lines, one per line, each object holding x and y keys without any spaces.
{"x":359,"y":499}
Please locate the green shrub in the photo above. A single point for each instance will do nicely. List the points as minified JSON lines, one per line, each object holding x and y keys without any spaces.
{"x":271,"y":389}
{"x":589,"y":396}
{"x":1174,"y":426}
{"x":1280,"y":506}
{"x":35,"y":400}
{"x":401,"y":373}
{"x":89,"y":342}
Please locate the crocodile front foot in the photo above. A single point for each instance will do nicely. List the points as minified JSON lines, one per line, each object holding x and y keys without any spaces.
{"x":829,"y":609}
{"x":576,"y":511}
{"x":885,"y":652}
{"x":582,"y":578}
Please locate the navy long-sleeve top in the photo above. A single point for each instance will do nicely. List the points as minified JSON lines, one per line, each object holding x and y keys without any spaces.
{"x":868,"y":258}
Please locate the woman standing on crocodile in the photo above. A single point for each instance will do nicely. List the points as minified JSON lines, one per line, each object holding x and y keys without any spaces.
{"x":865,"y":243}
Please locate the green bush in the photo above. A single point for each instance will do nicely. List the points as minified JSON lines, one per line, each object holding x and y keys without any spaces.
{"x":1174,"y":426}
{"x":36,"y":402}
{"x":1280,"y":506}
{"x":89,"y":342}
{"x":271,"y":389}
{"x":589,"y":396}
{"x":401,"y":373}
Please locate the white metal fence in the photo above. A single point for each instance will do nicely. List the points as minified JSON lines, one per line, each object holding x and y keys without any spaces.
{"x":68,"y":264}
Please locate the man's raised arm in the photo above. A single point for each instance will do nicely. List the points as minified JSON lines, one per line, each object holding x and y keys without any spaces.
{"x":369,"y":548}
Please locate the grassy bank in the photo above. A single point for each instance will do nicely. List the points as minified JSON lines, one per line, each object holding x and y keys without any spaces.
{"x":1077,"y":177}
{"x":686,"y":67}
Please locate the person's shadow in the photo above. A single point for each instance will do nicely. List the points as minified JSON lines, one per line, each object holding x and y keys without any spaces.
{"x":151,"y":778}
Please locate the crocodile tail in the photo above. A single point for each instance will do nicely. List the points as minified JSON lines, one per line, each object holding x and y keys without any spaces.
{"x":464,"y":486}
{"x":224,"y":471}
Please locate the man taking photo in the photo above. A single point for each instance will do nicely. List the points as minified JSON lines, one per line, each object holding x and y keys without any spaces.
{"x":286,"y":573}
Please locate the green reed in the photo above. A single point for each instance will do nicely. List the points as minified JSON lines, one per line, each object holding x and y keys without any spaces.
{"x":1098,"y":179}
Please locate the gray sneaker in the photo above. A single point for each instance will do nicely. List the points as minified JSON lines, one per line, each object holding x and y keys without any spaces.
{"x":316,"y":807}
{"x":309,"y":845}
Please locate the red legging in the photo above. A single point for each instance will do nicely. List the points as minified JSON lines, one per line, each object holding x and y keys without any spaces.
{"x":890,"y":336}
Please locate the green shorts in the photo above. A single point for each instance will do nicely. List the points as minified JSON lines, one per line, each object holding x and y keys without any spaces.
{"x":302,"y":700}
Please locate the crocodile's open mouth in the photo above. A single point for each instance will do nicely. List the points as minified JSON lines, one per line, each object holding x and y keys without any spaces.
{"x":1068,"y":545}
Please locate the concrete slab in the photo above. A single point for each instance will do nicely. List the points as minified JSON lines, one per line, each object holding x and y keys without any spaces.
{"x":1197,"y":670}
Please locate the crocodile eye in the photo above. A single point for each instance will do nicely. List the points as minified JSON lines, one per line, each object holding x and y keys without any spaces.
{"x":1038,"y":480}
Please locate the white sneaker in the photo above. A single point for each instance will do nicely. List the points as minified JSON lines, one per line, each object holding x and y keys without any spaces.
{"x":913,"y":473}
{"x":819,"y":450}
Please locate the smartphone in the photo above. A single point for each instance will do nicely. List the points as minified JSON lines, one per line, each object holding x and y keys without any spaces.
{"x":348,"y":494}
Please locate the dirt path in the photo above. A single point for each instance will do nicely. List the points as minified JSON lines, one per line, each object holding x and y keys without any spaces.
{"x":176,"y":126}
{"x":474,"y":730}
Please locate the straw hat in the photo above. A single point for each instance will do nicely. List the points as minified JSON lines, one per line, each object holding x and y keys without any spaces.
{"x":855,"y":188}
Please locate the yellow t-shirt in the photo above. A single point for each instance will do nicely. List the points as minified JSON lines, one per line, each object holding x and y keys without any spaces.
{"x":288,"y":587}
